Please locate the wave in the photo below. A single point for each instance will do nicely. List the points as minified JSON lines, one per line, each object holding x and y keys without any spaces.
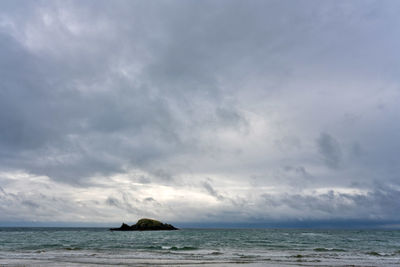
{"x":248,"y":256}
{"x":170,"y":248}
{"x":329,"y":250}
{"x":72,"y":248}
{"x":314,"y":234}
{"x":183,"y":248}
{"x":374,"y":253}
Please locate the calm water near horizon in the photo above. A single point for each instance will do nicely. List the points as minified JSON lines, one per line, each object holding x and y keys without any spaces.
{"x":216,"y":247}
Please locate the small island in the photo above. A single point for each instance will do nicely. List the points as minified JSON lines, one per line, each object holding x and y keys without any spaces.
{"x":145,"y":225}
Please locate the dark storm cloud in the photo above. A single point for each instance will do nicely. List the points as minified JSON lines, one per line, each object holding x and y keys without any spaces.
{"x":149,"y":97}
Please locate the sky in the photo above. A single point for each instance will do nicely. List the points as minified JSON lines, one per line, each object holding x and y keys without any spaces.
{"x":207,"y":112}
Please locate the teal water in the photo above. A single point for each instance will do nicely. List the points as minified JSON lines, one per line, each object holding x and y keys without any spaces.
{"x":217,"y":247}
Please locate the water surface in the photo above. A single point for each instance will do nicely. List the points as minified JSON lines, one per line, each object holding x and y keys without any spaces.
{"x":219,"y":247}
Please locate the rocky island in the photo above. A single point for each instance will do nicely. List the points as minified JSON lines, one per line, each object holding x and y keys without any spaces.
{"x":145,"y":225}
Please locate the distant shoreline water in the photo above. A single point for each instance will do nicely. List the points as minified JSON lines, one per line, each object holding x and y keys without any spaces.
{"x":57,"y":246}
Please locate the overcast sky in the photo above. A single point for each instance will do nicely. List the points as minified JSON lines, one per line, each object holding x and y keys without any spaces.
{"x":199,"y":111}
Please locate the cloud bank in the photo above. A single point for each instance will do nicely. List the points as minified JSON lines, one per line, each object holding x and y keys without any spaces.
{"x":191,"y":111}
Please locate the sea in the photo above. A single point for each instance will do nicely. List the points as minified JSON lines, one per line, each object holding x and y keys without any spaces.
{"x":194,"y":247}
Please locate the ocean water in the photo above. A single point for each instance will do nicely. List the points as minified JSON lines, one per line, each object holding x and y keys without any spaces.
{"x":191,"y":247}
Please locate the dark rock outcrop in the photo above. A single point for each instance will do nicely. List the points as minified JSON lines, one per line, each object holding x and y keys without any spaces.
{"x":145,"y":225}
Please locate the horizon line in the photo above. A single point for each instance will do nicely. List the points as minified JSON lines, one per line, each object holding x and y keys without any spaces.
{"x":294,"y":224}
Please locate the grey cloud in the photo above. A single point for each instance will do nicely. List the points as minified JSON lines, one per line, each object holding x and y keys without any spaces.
{"x":149,"y":199}
{"x":30,"y":204}
{"x":377,"y":204}
{"x":179,"y":90}
{"x":74,"y":104}
{"x":357,"y":150}
{"x":330,"y":150}
{"x":130,"y":204}
{"x":208,"y":187}
{"x":113,"y":202}
{"x":297,"y":177}
{"x":162,"y":174}
{"x":300,"y":170}
{"x":144,"y":180}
